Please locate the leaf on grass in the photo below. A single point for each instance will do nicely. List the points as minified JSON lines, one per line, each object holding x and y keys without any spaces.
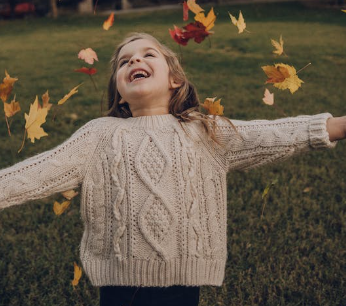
{"x":208,"y":21}
{"x":268,"y":97}
{"x":89,"y":71}
{"x":213,"y":107}
{"x":11,"y":108}
{"x":77,"y":274}
{"x":283,"y":77}
{"x":6,"y":87}
{"x":71,"y":93}
{"x":37,"y":116}
{"x":109,"y":22}
{"x":185,"y":11}
{"x":69,"y":194}
{"x":240,"y":23}
{"x":194,"y":7}
{"x":60,"y":208}
{"x":88,"y":55}
{"x":279,"y":46}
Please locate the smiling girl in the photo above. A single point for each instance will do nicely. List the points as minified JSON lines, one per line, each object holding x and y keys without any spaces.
{"x":153,"y":176}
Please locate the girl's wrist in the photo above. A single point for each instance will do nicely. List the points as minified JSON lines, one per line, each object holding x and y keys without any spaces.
{"x":336,"y":127}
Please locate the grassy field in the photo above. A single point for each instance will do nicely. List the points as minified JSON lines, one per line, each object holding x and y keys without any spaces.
{"x":294,"y":255}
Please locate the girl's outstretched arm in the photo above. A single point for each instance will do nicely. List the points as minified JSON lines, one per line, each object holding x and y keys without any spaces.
{"x":336,"y":128}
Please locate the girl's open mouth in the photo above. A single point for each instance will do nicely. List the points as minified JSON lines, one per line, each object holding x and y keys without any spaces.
{"x":138,"y":75}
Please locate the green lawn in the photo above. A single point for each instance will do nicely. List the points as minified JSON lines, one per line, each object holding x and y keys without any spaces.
{"x":295,"y":255}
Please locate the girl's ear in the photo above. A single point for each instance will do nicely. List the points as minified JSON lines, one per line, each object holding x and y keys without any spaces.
{"x":173,"y":84}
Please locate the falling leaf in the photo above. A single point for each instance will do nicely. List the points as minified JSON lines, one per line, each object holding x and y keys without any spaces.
{"x":283,"y":77}
{"x":109,"y":22}
{"x":208,"y":21}
{"x":213,"y":107}
{"x":240,"y":23}
{"x":268,"y":97}
{"x":6,"y":87}
{"x":178,"y":35}
{"x":89,"y":71}
{"x":279,"y":46}
{"x":88,"y":55}
{"x":36,"y":117}
{"x":77,"y":274}
{"x":343,"y":11}
{"x":71,"y":93}
{"x":194,"y":30}
{"x":185,"y":11}
{"x":11,"y":108}
{"x":194,"y":7}
{"x":69,"y":194}
{"x":45,"y":101}
{"x":60,"y":208}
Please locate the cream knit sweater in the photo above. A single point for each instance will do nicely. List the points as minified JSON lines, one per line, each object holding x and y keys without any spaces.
{"x":153,"y":198}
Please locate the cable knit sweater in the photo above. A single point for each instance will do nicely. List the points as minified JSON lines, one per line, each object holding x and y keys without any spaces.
{"x":153,"y":197}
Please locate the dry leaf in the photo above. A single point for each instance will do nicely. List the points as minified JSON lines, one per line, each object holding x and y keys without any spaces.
{"x":11,"y":108}
{"x":268,"y":97}
{"x":60,"y":208}
{"x":208,"y":21}
{"x":88,"y":55}
{"x":283,"y":77}
{"x":89,"y":71}
{"x":36,"y":117}
{"x":185,"y":11}
{"x":77,"y":274}
{"x":6,"y":87}
{"x":240,"y":23}
{"x":45,"y":101}
{"x":279,"y":46}
{"x":213,"y":107}
{"x":71,"y":93}
{"x":109,"y":22}
{"x":69,"y":194}
{"x":343,"y":11}
{"x":194,"y":7}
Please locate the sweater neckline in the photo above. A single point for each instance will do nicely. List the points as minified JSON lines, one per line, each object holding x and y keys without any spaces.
{"x":153,"y":121}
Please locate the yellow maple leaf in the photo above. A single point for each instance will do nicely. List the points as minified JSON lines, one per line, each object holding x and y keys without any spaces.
{"x":268,"y":97}
{"x":60,"y":208}
{"x":36,"y":117}
{"x":6,"y":87}
{"x":283,"y":76}
{"x":343,"y":11}
{"x":279,"y":46}
{"x":208,"y":21}
{"x":77,"y":274}
{"x":11,"y":108}
{"x":240,"y":23}
{"x":69,"y":194}
{"x":213,"y":107}
{"x":194,"y":7}
{"x":71,"y":93}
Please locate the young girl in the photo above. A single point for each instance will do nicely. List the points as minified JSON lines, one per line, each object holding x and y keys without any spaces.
{"x":153,"y":176}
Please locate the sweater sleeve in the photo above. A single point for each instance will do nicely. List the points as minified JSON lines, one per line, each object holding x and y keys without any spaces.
{"x":56,"y":170}
{"x":258,"y":142}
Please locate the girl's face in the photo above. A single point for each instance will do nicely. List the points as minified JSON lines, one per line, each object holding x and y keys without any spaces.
{"x":143,"y":76}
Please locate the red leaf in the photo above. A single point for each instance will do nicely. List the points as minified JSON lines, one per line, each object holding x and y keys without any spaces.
{"x":89,"y":71}
{"x":197,"y":31}
{"x":185,"y":11}
{"x":178,"y":35}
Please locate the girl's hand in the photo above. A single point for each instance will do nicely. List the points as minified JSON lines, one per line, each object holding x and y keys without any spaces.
{"x":336,"y":128}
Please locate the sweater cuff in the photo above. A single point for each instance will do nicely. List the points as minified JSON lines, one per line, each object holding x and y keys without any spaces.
{"x":319,"y":136}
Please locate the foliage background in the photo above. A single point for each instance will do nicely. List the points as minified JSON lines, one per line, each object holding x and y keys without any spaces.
{"x":295,"y":255}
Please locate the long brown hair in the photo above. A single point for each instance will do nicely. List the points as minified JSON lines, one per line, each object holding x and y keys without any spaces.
{"x":184,"y":102}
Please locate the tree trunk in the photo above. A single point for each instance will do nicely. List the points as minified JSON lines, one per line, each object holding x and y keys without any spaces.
{"x":54,"y":8}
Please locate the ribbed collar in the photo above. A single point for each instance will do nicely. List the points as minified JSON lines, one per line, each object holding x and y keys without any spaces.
{"x":154,"y":121}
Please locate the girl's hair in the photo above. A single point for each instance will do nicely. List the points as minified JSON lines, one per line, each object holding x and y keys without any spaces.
{"x":184,"y":102}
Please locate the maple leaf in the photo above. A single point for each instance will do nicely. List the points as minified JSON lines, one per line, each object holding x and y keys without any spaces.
{"x":109,"y":22}
{"x":178,"y":35}
{"x":343,"y":11}
{"x":89,"y":71}
{"x":279,"y":46}
{"x":283,"y":77}
{"x":77,"y":274}
{"x":6,"y":87}
{"x":197,"y":31}
{"x":45,"y":101}
{"x":268,"y":97}
{"x":37,"y":116}
{"x":213,"y":107}
{"x":208,"y":21}
{"x":11,"y":108}
{"x":88,"y":55}
{"x":71,"y":93}
{"x":69,"y":194}
{"x":194,"y":7}
{"x":185,"y":11}
{"x":60,"y":208}
{"x":240,"y":23}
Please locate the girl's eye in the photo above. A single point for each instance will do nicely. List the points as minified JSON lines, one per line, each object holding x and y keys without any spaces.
{"x":149,"y":54}
{"x":122,"y":63}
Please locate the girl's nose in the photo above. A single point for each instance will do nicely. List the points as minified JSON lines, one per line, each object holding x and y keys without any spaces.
{"x":134,"y":60}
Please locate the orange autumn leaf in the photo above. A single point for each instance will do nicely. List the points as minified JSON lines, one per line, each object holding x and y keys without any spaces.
{"x":60,"y":208}
{"x":77,"y":274}
{"x":208,"y":21}
{"x":6,"y":87}
{"x":45,"y":101}
{"x":71,"y":93}
{"x":37,"y":116}
{"x":279,"y":46}
{"x":240,"y":23}
{"x":109,"y":22}
{"x":283,"y":76}
{"x":185,"y":11}
{"x":268,"y":97}
{"x":194,"y":7}
{"x":11,"y":108}
{"x":213,"y":107}
{"x":69,"y":194}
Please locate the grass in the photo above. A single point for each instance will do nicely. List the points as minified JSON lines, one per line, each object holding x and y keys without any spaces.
{"x":295,"y":255}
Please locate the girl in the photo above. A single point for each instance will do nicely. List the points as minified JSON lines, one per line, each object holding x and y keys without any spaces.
{"x":153,"y":176}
